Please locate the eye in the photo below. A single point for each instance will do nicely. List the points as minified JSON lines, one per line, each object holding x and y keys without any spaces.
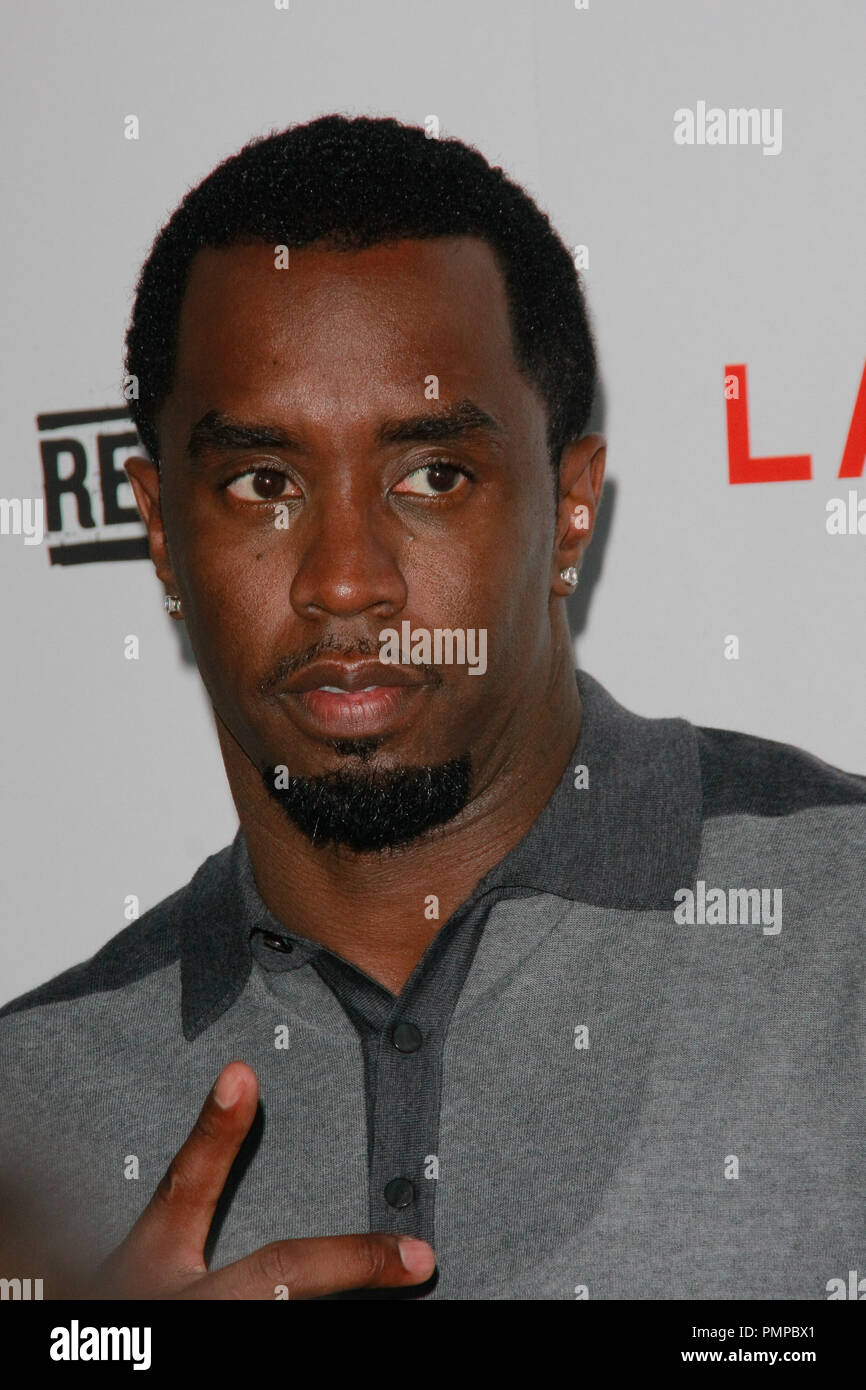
{"x":262,"y":485}
{"x":433,"y":480}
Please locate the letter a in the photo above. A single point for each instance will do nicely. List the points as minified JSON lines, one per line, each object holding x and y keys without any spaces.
{"x":855,"y":446}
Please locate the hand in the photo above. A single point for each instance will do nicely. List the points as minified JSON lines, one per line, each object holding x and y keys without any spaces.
{"x":163,"y":1255}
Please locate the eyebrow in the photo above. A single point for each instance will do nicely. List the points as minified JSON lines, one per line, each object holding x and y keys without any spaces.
{"x":219,"y":431}
{"x":456,"y":422}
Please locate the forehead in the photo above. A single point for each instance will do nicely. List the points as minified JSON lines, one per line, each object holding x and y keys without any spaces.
{"x":336,"y":324}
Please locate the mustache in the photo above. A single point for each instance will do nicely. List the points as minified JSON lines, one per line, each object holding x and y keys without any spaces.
{"x":332,"y":645}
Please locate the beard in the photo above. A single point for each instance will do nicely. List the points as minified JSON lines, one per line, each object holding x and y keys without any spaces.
{"x":372,"y":809}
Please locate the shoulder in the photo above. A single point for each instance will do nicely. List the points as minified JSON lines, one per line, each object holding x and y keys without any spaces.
{"x":744,"y":774}
{"x":775,"y":814}
{"x":146,"y":946}
{"x":138,"y":950}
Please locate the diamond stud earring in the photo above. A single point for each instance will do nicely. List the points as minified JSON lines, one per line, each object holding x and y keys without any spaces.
{"x":171,"y":603}
{"x":570,"y":575}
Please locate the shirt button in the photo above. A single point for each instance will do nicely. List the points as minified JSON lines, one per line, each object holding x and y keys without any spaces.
{"x":400,"y":1192}
{"x":406,"y":1037}
{"x":276,"y":943}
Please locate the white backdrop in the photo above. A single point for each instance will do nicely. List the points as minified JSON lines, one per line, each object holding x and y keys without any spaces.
{"x":699,"y":256}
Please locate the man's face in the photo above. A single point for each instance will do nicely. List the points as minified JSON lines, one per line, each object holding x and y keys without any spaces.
{"x":372,"y":511}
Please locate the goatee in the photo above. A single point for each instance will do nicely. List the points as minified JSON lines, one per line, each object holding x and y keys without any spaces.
{"x":372,"y":810}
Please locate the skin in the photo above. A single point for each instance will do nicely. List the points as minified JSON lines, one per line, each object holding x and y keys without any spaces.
{"x":329,"y":349}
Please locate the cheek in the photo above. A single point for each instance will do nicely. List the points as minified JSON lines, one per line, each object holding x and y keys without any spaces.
{"x":519,"y":601}
{"x":506,"y":594}
{"x":237,"y":611}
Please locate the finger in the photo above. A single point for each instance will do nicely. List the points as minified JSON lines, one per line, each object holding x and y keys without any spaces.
{"x":314,"y":1267}
{"x":174,"y":1225}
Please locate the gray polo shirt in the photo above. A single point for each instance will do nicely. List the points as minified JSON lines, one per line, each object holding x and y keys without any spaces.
{"x":630,"y":1065}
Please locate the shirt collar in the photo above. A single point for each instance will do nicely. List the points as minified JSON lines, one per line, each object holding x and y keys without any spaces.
{"x":630,"y":835}
{"x":625,"y":833}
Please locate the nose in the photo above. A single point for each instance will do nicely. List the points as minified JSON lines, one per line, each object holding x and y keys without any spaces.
{"x":349,"y":562}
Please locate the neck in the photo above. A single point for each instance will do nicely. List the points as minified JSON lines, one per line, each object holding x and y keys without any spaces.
{"x":381,"y":911}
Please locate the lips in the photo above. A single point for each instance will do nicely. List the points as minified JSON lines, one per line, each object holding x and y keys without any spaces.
{"x":337,"y":699}
{"x":349,"y":677}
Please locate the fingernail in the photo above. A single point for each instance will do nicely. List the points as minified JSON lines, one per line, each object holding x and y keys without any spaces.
{"x":227,"y":1090}
{"x":416,"y":1255}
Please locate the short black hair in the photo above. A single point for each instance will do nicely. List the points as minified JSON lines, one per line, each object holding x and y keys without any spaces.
{"x":351,"y":183}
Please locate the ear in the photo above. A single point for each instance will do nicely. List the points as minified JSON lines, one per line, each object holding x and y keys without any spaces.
{"x":144,"y":481}
{"x":581,"y":478}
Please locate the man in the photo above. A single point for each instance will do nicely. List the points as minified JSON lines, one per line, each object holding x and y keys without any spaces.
{"x":567,"y":994}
